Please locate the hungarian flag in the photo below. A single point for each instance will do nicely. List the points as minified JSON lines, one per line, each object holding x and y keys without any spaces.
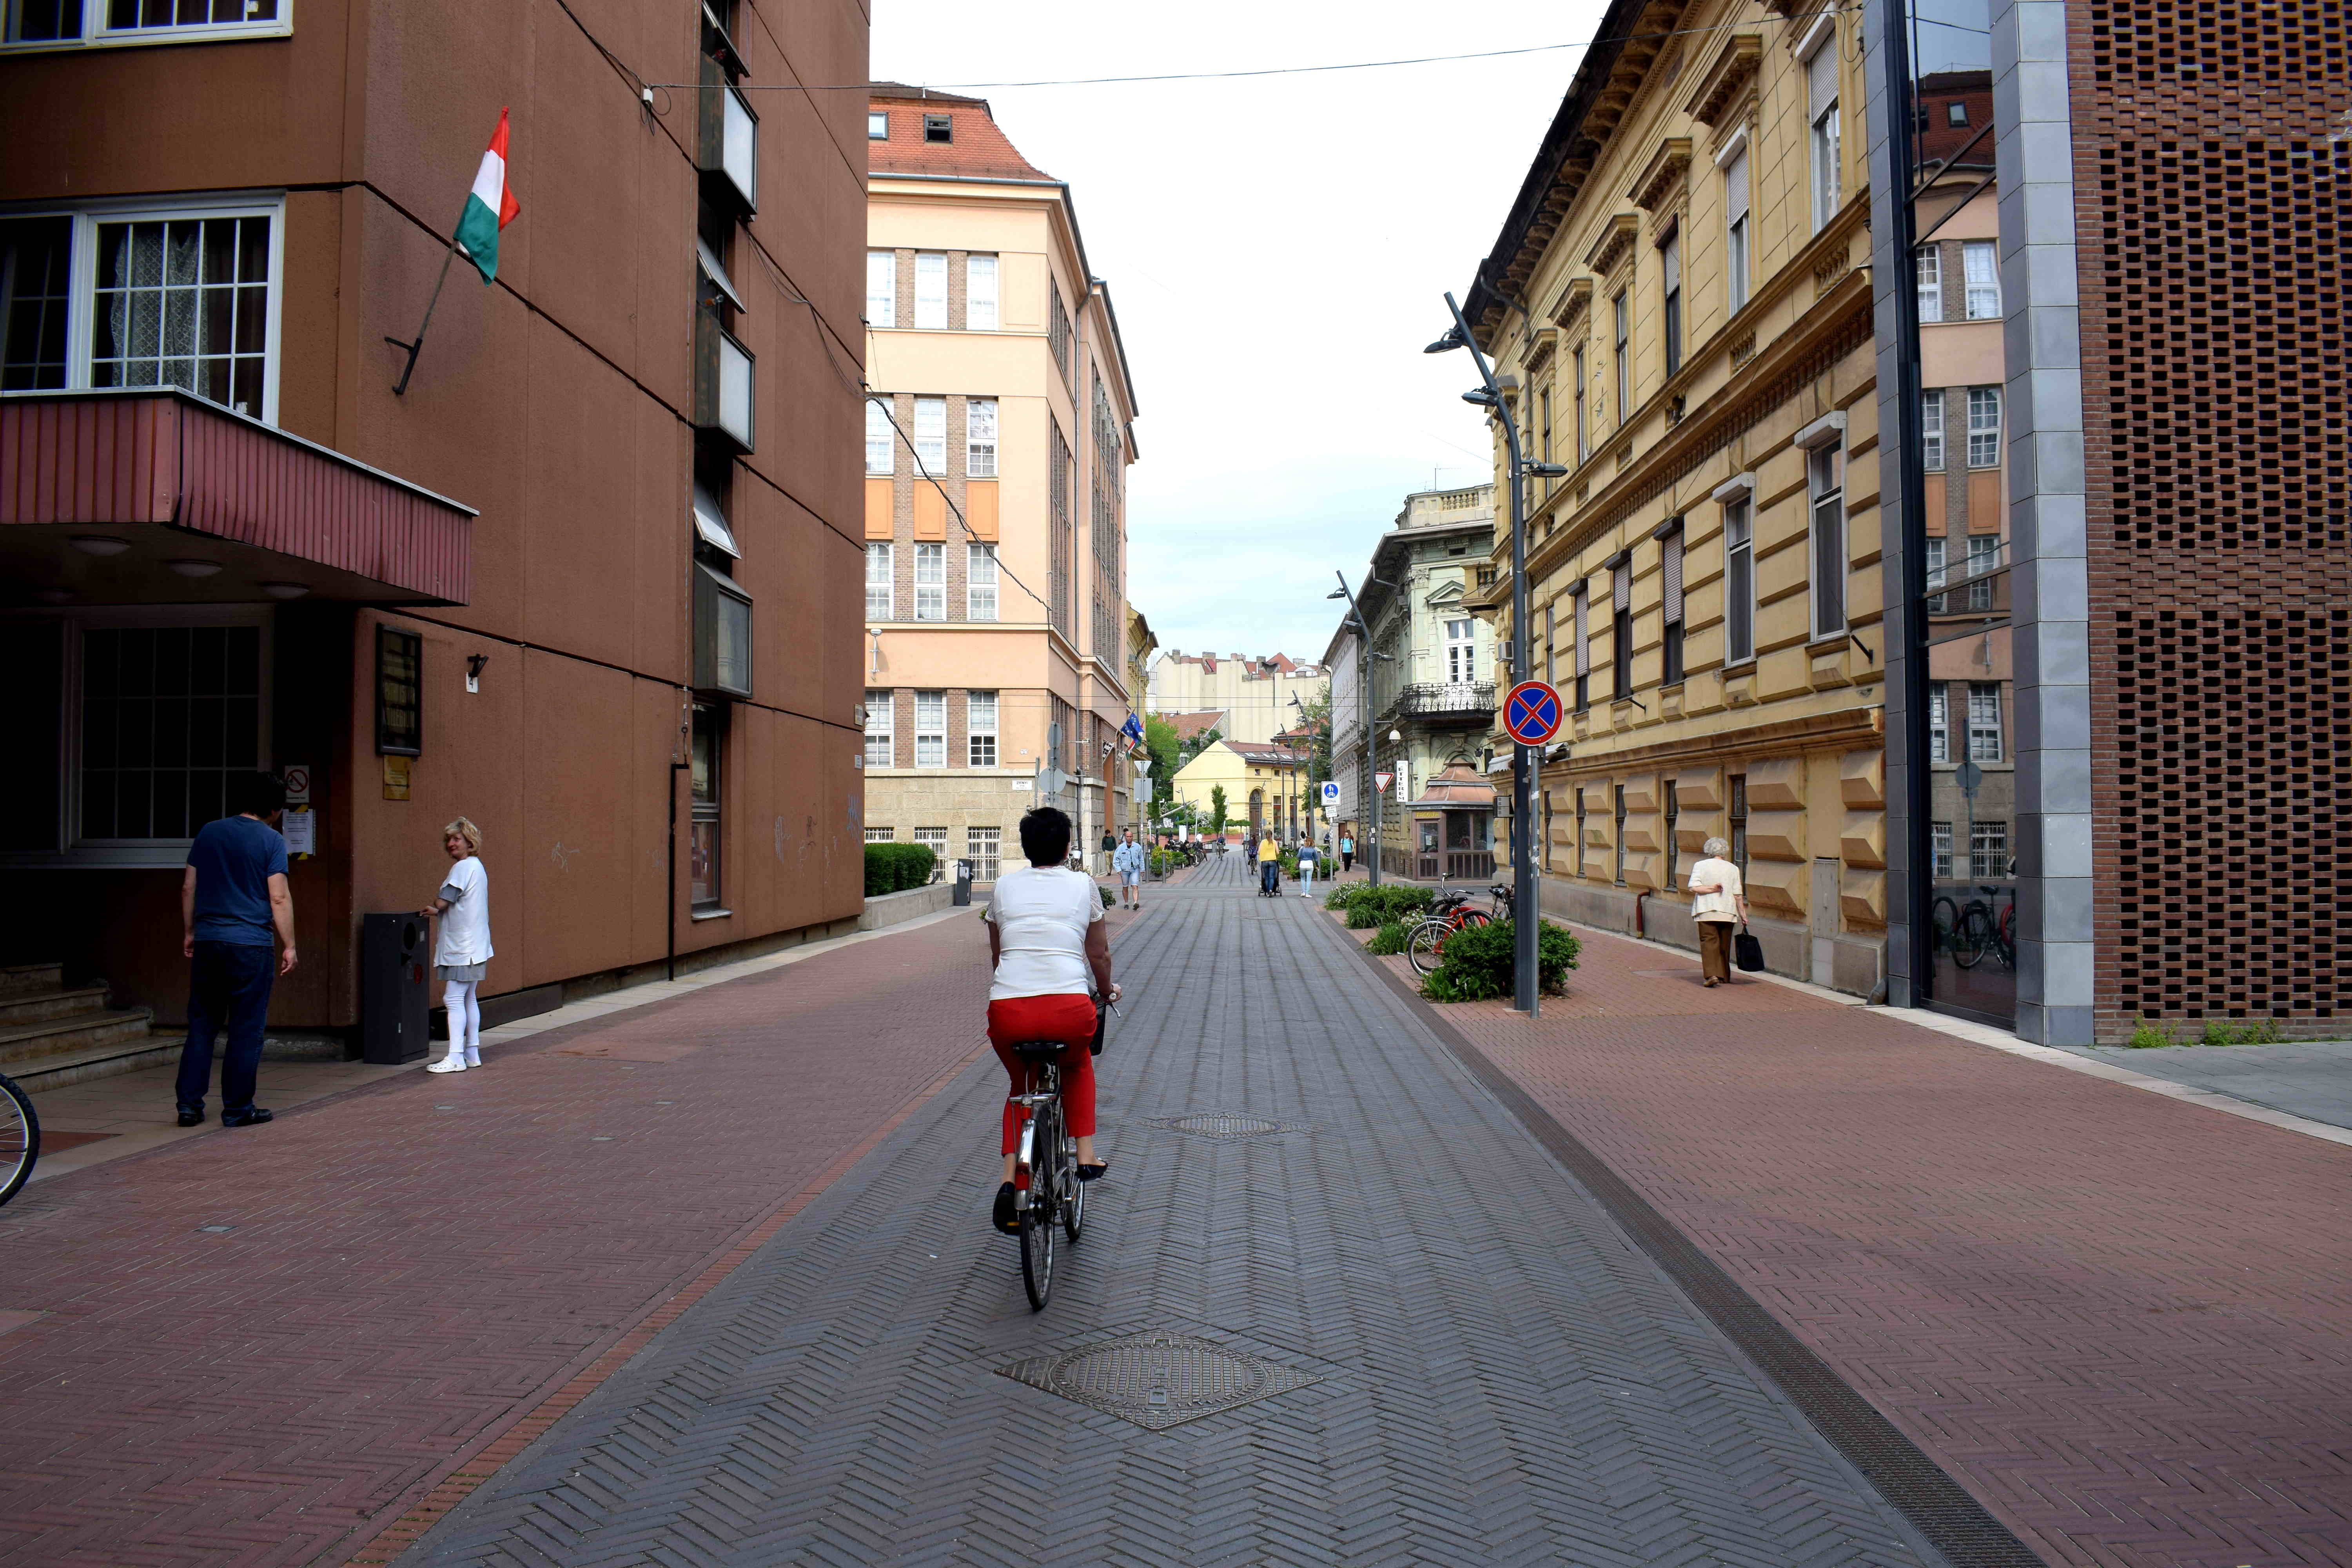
{"x":489,"y":207}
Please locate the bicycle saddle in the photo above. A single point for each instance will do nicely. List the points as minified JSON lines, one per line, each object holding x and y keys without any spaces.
{"x":1040,"y":1050}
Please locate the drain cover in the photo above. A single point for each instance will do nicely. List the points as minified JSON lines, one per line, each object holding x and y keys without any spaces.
{"x":1158,"y":1380}
{"x":1224,"y":1125}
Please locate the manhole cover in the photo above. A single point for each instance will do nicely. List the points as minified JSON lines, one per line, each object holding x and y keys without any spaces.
{"x":1156,"y":1380}
{"x":1222,"y":1124}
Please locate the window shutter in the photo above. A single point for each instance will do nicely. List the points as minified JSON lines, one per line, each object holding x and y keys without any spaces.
{"x":1670,"y":560}
{"x":1821,"y":78}
{"x":1735,"y":188}
{"x":1621,"y":586}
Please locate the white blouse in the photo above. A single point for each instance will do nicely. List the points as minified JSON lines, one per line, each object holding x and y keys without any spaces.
{"x":1717,"y":904}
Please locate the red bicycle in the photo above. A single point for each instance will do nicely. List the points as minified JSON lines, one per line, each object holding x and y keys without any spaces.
{"x":1425,"y":947}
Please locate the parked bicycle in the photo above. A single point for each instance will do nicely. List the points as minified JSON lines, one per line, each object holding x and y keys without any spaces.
{"x":20,"y":1138}
{"x":1969,"y":931}
{"x":1046,"y":1191}
{"x":1449,"y":911}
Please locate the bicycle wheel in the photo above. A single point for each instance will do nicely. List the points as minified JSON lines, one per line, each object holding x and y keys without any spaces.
{"x":1425,"y":946}
{"x":1945,"y":916}
{"x":1477,"y":918}
{"x":1074,"y":1191}
{"x":1974,"y":935}
{"x":20,"y":1139}
{"x":1038,"y":1219}
{"x":2004,"y":937}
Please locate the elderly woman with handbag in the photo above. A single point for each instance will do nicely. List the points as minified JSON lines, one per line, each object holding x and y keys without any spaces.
{"x":1718,"y":903}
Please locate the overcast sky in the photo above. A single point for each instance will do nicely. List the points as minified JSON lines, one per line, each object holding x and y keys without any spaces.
{"x":1277,"y":249}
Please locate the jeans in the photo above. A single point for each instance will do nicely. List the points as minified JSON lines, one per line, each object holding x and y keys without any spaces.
{"x":1306,"y":879}
{"x":228,"y":986}
{"x":1268,"y":871}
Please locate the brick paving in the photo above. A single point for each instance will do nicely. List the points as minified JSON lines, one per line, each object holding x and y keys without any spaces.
{"x":1499,"y":1376}
{"x":2118,"y":1319}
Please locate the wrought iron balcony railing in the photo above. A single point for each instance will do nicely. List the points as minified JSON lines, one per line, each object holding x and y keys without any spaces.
{"x":1445,"y":700}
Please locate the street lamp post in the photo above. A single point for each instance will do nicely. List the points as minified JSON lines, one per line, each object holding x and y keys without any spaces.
{"x":1527,"y":919}
{"x":1364,"y":695}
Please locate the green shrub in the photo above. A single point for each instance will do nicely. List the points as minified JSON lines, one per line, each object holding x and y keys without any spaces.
{"x":2259,"y":1032}
{"x":1108,"y":899}
{"x":1364,"y":915}
{"x":1478,"y":962}
{"x":2147,"y":1034}
{"x":1390,"y":938}
{"x":1344,"y":897}
{"x":894,"y":868}
{"x":1400,"y":900}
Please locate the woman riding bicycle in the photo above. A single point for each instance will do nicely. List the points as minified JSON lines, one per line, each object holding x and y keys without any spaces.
{"x":1051,"y":953}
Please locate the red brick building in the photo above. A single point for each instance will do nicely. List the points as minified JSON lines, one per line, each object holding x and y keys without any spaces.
{"x":587,"y":581}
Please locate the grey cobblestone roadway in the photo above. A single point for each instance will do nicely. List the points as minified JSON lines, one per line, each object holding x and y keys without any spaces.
{"x":1503,"y":1379}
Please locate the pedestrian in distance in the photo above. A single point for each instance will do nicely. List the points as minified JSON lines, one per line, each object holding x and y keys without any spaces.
{"x":1720,"y":905}
{"x":1346,"y":853}
{"x":1128,"y":861}
{"x":461,"y":956}
{"x":234,"y":901}
{"x":1306,"y":857}
{"x":1269,"y":866}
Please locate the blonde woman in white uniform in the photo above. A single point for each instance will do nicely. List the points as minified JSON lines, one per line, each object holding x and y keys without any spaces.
{"x":462,"y":954}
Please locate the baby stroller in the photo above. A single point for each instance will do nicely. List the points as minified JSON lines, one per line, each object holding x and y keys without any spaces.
{"x":1270,"y":879}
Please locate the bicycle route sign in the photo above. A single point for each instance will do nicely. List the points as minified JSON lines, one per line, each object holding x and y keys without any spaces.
{"x":1531,"y":712}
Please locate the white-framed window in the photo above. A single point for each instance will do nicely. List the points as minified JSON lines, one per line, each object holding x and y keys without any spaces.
{"x":1738,"y":581}
{"x":1621,"y":311}
{"x":932,"y":289}
{"x":934,"y":839}
{"x":1825,"y":483}
{"x":1989,"y":851}
{"x":931,"y":434}
{"x":984,"y":845}
{"x":931,"y":729}
{"x":180,"y":294}
{"x":1937,"y":568}
{"x":1984,"y":722}
{"x":980,"y":437}
{"x":881,"y":441}
{"x":1980,"y":276}
{"x":878,"y":125}
{"x":1939,"y":722}
{"x":1931,"y":430}
{"x":980,"y":582}
{"x":53,"y":23}
{"x":881,"y":835}
{"x":1984,"y":559}
{"x":878,"y":583}
{"x":1670,"y":298}
{"x":1461,"y":651}
{"x":1939,"y":846}
{"x":153,"y":710}
{"x":881,"y":735}
{"x":1822,"y":115}
{"x":882,"y":288}
{"x":1984,"y":427}
{"x":931,"y":582}
{"x":980,"y":293}
{"x":1929,"y":259}
{"x":1736,"y":228}
{"x":980,"y":729}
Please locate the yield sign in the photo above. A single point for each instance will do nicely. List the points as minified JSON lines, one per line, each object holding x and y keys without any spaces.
{"x":1380,"y":782}
{"x":1531,"y":712}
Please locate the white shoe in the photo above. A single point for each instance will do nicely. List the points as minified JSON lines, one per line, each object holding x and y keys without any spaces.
{"x":473,"y":1055}
{"x":453,"y":1062}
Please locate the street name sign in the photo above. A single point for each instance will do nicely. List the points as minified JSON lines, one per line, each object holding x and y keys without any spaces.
{"x":1531,"y":712}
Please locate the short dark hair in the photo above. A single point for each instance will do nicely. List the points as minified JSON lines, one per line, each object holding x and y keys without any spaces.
{"x":1045,"y":836}
{"x":255,"y":794}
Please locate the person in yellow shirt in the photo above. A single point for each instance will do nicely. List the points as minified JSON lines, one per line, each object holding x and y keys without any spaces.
{"x":1269,"y":866}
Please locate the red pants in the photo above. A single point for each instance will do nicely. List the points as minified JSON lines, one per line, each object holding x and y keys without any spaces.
{"x":1066,"y":1015}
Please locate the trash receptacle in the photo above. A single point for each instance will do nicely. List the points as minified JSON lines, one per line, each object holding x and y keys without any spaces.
{"x":393,"y":995}
{"x":963,"y":883}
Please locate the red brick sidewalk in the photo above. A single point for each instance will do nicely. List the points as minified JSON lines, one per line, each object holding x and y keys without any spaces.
{"x":2118,"y":1320}
{"x":416,"y":1265}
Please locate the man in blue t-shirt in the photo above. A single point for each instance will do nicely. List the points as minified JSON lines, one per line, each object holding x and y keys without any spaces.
{"x":233,"y":902}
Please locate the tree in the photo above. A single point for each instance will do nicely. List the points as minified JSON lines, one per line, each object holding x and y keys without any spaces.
{"x":1217,"y":811}
{"x":1315,"y":718}
{"x":1160,"y":740}
{"x":1194,"y":745}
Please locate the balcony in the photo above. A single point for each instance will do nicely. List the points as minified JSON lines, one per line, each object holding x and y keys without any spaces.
{"x":1469,"y":701}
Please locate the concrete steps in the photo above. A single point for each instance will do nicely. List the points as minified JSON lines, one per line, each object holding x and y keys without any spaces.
{"x":52,"y":1035}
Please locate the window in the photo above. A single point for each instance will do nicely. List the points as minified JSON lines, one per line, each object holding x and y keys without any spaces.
{"x":1939,"y":722}
{"x":932,"y":289}
{"x":1825,"y":475}
{"x":1670,"y":277}
{"x":1624,"y":322}
{"x":1551,"y":677}
{"x":1057,"y":333}
{"x":1984,"y":427}
{"x":1620,"y":835}
{"x":1931,"y":264}
{"x":1620,"y":631}
{"x":1937,"y":574}
{"x":930,"y":730}
{"x":1738,"y":582}
{"x":169,"y":712}
{"x":881,"y":835}
{"x":1674,"y":844}
{"x":1939,"y":850}
{"x":702,"y":862}
{"x":980,"y":437}
{"x":1670,"y":574}
{"x":1981,"y":275}
{"x":931,"y":434}
{"x":722,"y":632}
{"x":1984,"y":559}
{"x":980,"y":293}
{"x":1583,"y":447}
{"x":1989,"y":851}
{"x":1931,"y":430}
{"x":880,"y":726}
{"x":1576,"y":863}
{"x":140,"y":21}
{"x":1544,"y":405}
{"x":36,"y":299}
{"x":1736,"y":228}
{"x":980,"y":729}
{"x":938,"y":127}
{"x":878,"y":125}
{"x":984,"y":845}
{"x":877,"y":583}
{"x":881,"y":441}
{"x":1583,"y":653}
{"x":882,"y":288}
{"x":399,"y":692}
{"x":1984,"y":721}
{"x":931,"y":582}
{"x":1822,"y":112}
{"x":1461,"y":648}
{"x":1956,"y":112}
{"x":1737,"y":818}
{"x":934,"y":839}
{"x":979,"y":582}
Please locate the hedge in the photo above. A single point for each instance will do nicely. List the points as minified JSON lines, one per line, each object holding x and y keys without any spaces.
{"x":894,"y":868}
{"x":1478,"y":962}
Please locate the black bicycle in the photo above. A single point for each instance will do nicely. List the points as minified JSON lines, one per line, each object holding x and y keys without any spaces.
{"x":1969,"y":931}
{"x":20,"y":1138}
{"x":1046,"y":1191}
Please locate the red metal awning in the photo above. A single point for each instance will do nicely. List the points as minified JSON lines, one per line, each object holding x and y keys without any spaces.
{"x":176,"y":481}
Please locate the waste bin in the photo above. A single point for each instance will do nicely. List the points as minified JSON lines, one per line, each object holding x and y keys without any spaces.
{"x":963,"y":883}
{"x":393,"y":993}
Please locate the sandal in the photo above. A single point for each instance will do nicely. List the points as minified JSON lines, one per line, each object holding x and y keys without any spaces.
{"x":1092,"y":1173}
{"x":1004,"y":1218}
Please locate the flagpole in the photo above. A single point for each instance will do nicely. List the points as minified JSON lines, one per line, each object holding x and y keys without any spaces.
{"x":414,"y":348}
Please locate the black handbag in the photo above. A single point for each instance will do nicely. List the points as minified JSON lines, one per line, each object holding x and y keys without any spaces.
{"x":1102,"y":1022}
{"x":1747,"y":951}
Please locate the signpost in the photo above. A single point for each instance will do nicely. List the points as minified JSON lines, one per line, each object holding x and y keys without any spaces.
{"x":1330,"y":793}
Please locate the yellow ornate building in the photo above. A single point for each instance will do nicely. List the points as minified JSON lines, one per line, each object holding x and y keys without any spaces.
{"x":1680,"y":302}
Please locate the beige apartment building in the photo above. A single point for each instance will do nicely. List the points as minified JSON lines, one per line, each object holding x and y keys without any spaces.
{"x":998,"y":433}
{"x":1681,"y":297}
{"x":1260,"y":694}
